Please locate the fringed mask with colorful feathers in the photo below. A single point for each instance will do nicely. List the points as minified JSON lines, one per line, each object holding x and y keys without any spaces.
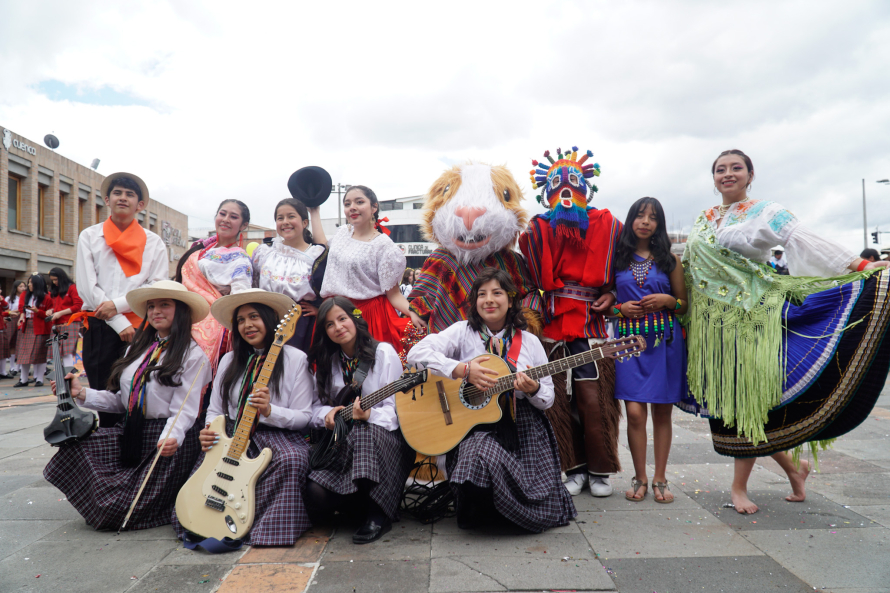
{"x":566,"y":191}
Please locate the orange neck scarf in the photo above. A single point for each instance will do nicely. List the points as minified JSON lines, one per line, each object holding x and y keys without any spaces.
{"x":128,"y":246}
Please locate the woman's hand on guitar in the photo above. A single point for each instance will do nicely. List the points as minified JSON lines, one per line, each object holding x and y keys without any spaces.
{"x":76,"y":389}
{"x":329,"y":417}
{"x":208,"y":438}
{"x":259,"y":399}
{"x":358,"y":413}
{"x":168,"y":447}
{"x":480,"y":376}
{"x":525,"y":384}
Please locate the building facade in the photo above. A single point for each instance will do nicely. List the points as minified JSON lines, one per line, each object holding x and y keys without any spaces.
{"x":46,"y":200}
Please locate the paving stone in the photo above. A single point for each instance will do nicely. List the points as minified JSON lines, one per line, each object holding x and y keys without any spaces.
{"x":195,"y":578}
{"x":872,"y":428}
{"x":820,"y":558}
{"x":12,"y":482}
{"x":449,"y":527}
{"x":880,"y":514}
{"x":100,"y":569}
{"x":15,"y":535}
{"x":30,"y":461}
{"x":852,"y":489}
{"x":370,"y":577}
{"x":462,"y":573}
{"x":406,"y":541}
{"x":662,"y":533}
{"x":181,"y":556}
{"x":867,"y":449}
{"x":743,"y":574}
{"x":266,"y":578}
{"x":36,"y":503}
{"x":26,"y":438}
{"x":816,"y":512}
{"x":584,"y":502}
{"x":718,"y":477}
{"x":308,"y":548}
{"x":830,"y":462}
{"x":539,"y":545}
{"x":78,"y":530}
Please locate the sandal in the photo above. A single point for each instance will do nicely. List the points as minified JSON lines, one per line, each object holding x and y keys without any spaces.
{"x":663,"y":486}
{"x":636,"y":485}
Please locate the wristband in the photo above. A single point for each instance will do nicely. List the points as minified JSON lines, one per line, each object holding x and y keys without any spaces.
{"x":679,"y":305}
{"x":616,"y":309}
{"x":862,"y":265}
{"x":466,"y":370}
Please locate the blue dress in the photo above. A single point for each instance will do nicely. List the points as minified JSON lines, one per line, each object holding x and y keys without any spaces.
{"x":658,"y":375}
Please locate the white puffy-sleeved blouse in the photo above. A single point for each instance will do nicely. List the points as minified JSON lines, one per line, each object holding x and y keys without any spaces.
{"x":361,"y":269}
{"x":459,"y":343}
{"x":387,"y":368}
{"x":228,"y":269}
{"x":291,"y":405}
{"x":160,"y":401}
{"x":279,"y":268}
{"x":753,"y":227}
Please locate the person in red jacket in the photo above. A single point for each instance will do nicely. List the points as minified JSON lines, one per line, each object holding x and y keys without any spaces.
{"x":66,"y":302}
{"x":33,"y":331}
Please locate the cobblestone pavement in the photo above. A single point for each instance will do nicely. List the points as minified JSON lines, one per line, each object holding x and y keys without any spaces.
{"x":835,"y":541}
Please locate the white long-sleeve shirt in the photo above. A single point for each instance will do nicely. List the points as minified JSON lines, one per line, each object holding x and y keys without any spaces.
{"x":100,"y":278}
{"x":160,"y":401}
{"x":291,"y":405}
{"x":442,"y":352}
{"x":387,"y":368}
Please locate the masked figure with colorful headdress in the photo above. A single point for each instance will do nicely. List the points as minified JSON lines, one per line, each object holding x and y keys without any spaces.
{"x":570,"y":251}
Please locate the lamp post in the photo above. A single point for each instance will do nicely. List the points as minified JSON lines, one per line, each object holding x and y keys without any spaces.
{"x":340,"y":188}
{"x":864,"y":218}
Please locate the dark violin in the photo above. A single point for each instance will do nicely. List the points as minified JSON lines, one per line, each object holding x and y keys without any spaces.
{"x":71,"y":424}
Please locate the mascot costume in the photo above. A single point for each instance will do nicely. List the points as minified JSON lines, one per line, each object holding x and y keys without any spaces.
{"x":569,"y":251}
{"x":474,"y":213}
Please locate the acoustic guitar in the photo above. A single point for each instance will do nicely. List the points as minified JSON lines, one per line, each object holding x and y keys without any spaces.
{"x":436,"y":416}
{"x":218,"y":500}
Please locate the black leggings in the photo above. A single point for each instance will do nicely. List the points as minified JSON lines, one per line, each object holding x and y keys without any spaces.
{"x":321,"y":502}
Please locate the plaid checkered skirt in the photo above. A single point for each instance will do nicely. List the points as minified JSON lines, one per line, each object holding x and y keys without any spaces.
{"x":69,"y":344}
{"x":90,"y":474}
{"x":281,"y":516}
{"x":372,"y":453}
{"x":525,"y":484}
{"x":7,"y":330}
{"x":30,"y":348}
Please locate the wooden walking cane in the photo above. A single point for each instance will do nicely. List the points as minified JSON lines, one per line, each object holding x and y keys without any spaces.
{"x":161,"y":448}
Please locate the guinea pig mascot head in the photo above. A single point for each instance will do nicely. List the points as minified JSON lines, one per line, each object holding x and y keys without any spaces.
{"x":473,"y":211}
{"x":565,"y":189}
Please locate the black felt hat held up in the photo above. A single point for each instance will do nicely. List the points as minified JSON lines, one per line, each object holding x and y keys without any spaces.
{"x":311,"y":185}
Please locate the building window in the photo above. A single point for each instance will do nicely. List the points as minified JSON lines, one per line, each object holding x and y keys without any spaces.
{"x":418,"y":205}
{"x":44,"y":212}
{"x":62,"y":217}
{"x":82,"y":214}
{"x":391,"y":205}
{"x":406,"y":233}
{"x":15,"y":203}
{"x":99,"y":217}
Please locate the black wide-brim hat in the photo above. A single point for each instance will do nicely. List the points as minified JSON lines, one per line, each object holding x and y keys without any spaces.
{"x":311,"y":185}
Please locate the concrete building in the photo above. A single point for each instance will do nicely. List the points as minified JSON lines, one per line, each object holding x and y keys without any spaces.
{"x":47,"y":199}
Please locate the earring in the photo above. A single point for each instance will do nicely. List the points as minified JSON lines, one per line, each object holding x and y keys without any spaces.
{"x":715,"y":191}
{"x":749,"y":187}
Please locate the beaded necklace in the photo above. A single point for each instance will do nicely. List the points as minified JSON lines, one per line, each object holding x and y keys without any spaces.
{"x":640,"y":270}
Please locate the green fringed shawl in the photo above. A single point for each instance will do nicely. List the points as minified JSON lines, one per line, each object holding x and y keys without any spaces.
{"x":734,"y":329}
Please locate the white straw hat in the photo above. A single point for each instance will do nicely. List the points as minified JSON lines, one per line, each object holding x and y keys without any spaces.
{"x":223,"y":308}
{"x":168,"y":289}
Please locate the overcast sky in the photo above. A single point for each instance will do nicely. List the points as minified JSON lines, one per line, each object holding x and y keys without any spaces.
{"x":213,"y":100}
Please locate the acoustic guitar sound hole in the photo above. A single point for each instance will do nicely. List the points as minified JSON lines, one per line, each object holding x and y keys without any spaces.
{"x":472,"y":397}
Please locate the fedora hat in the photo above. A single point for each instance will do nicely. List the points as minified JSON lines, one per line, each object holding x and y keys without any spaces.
{"x":107,"y":182}
{"x":168,"y":289}
{"x":224,"y":307}
{"x":311,"y":185}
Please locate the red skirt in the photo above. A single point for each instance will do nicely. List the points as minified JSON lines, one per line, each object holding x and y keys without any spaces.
{"x":383,"y":321}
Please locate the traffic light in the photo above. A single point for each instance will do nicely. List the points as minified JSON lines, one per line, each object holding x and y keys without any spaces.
{"x":874,"y":237}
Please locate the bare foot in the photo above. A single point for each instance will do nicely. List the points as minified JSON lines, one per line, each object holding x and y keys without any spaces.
{"x":666,"y":496}
{"x":797,"y":479}
{"x":742,"y":503}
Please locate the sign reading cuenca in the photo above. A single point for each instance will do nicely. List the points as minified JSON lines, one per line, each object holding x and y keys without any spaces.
{"x":8,"y":141}
{"x":171,"y":235}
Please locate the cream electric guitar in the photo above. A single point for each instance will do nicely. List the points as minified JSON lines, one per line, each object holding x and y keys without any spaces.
{"x":218,"y":500}
{"x":436,"y":417}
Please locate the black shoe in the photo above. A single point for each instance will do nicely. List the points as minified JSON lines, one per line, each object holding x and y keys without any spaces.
{"x":13,"y":373}
{"x":371,"y":532}
{"x":4,"y":376}
{"x":38,"y":384}
{"x":20,"y":384}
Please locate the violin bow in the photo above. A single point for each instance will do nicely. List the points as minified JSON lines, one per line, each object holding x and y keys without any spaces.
{"x":161,"y":448}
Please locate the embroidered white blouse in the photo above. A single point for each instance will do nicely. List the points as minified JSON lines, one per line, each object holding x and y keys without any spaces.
{"x":160,"y":401}
{"x":279,"y":268}
{"x":361,"y":269}
{"x":442,"y":352}
{"x":387,"y":368}
{"x":752,"y":228}
{"x":228,"y":269}
{"x":291,"y":407}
